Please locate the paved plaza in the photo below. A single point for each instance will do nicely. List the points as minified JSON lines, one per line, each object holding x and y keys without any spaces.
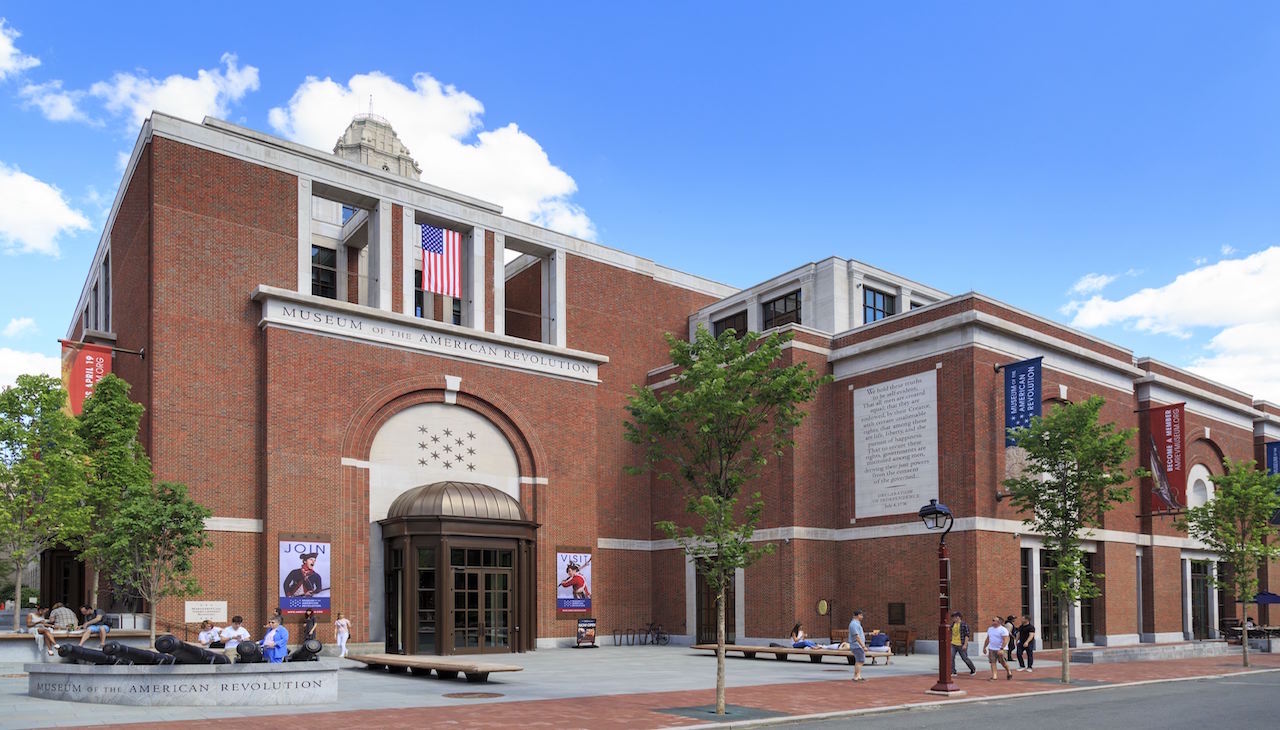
{"x":610,"y":687}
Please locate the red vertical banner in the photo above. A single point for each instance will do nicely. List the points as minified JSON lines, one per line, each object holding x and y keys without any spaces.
{"x":1165,"y":457}
{"x":83,"y":365}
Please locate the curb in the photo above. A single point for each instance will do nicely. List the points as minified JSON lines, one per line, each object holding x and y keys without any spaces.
{"x":790,"y":719}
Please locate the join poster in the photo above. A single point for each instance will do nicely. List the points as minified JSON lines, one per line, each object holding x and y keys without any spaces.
{"x":573,"y":581}
{"x":304,"y":576}
{"x":1165,"y":457}
{"x":1021,"y":395}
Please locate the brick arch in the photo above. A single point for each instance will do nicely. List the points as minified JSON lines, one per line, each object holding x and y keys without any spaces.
{"x":1206,"y":451}
{"x":389,"y":400}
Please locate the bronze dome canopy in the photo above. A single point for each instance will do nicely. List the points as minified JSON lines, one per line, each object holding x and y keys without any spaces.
{"x":457,"y":499}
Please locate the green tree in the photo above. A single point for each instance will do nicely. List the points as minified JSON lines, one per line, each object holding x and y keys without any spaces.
{"x":42,"y":474}
{"x":149,"y":540}
{"x":1075,"y":473}
{"x":1236,"y":525}
{"x":109,"y":427}
{"x":729,"y":408}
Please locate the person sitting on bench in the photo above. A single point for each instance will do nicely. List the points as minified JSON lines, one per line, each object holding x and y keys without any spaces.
{"x":798,"y":640}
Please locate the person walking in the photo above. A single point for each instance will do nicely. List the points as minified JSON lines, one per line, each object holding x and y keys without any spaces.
{"x":1010,"y":625}
{"x":995,"y":643}
{"x":960,"y":636}
{"x":342,"y":629}
{"x":1026,"y":641}
{"x":857,"y":645}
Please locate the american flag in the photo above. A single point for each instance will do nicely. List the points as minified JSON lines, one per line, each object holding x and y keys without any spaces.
{"x":442,"y":261}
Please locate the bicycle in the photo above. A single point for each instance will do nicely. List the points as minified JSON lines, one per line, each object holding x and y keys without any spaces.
{"x":654,"y":634}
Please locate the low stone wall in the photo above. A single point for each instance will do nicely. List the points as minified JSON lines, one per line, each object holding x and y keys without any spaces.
{"x":300,"y":683}
{"x":20,"y":648}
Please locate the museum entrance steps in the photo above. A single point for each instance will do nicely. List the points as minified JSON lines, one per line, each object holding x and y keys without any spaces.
{"x":1146,"y":652}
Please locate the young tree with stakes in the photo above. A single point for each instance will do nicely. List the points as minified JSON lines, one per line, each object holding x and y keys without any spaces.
{"x":42,"y":474}
{"x":730,"y":407}
{"x":1236,"y":524}
{"x":1075,"y":474}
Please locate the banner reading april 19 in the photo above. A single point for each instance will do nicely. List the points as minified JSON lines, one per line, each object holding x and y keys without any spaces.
{"x":83,"y":365}
{"x":304,"y":576}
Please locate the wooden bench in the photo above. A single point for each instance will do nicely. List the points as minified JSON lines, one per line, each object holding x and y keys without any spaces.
{"x":781,"y":653}
{"x":444,"y":667}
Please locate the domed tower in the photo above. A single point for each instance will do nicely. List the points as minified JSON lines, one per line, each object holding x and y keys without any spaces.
{"x":370,"y":140}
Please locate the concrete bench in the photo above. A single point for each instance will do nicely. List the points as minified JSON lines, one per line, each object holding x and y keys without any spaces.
{"x":444,"y":667}
{"x":781,"y":653}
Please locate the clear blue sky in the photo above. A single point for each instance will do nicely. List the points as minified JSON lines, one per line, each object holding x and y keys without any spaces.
{"x":1007,"y":149}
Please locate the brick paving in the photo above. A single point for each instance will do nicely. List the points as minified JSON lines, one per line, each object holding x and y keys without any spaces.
{"x":838,"y":694}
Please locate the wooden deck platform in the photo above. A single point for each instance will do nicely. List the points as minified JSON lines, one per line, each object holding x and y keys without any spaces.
{"x":444,"y":667}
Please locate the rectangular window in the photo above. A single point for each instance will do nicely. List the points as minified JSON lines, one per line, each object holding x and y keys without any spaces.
{"x":93,"y":305}
{"x":324,"y":272}
{"x":347,"y":212}
{"x":783,"y":310}
{"x":457,"y":311}
{"x":897,"y":614}
{"x":106,"y":292}
{"x":736,"y":322}
{"x":876,"y":305}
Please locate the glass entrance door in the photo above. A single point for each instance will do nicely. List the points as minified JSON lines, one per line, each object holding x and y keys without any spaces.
{"x":481,"y":611}
{"x":1200,"y":599}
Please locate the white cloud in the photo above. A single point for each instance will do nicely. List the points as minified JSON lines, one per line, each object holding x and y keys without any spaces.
{"x":20,"y":326}
{"x":55,"y":103}
{"x":1227,"y":293}
{"x":14,"y":363}
{"x":1244,"y":357}
{"x":33,"y":214}
{"x":442,"y":128}
{"x":1227,"y":250}
{"x":210,"y":93}
{"x":1199,"y":261}
{"x":1090,"y":283}
{"x":12,"y":60}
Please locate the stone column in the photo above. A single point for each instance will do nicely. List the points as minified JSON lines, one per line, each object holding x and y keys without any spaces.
{"x":1033,"y":589}
{"x":410,"y":253}
{"x":499,"y":283}
{"x":473,"y":304}
{"x":1186,"y":599}
{"x":379,"y":280}
{"x":304,"y":235}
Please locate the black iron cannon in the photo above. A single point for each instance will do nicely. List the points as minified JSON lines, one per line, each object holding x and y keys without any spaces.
{"x":249,"y":652}
{"x":130,"y":655}
{"x":308,"y":652}
{"x":185,"y":653}
{"x":84,"y":654}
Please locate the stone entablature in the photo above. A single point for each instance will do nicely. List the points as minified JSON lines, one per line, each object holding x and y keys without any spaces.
{"x":187,"y":685}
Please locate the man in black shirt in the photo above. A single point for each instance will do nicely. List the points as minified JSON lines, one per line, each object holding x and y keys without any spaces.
{"x":1025,"y":636}
{"x":94,"y":623}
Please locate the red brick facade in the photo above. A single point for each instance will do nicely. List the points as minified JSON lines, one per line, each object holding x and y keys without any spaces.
{"x":273,"y":424}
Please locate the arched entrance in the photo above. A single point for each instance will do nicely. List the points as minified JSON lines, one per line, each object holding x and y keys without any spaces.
{"x":459,"y":571}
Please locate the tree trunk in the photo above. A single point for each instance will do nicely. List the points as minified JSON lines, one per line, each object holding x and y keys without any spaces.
{"x":152,"y":621}
{"x":93,"y":585}
{"x":720,"y":651}
{"x":1244,"y":637}
{"x":1064,"y":631}
{"x":17,"y":602}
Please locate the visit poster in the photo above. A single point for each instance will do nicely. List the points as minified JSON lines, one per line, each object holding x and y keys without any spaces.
{"x":573,"y":581}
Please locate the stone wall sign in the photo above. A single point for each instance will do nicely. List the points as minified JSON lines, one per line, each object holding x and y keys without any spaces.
{"x":300,"y":683}
{"x":895,"y":445}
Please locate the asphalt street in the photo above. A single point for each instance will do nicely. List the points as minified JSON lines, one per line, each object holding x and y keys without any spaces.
{"x":1246,"y":701}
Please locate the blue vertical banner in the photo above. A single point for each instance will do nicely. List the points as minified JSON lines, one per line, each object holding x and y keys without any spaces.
{"x":1273,"y":456}
{"x":1021,"y":395}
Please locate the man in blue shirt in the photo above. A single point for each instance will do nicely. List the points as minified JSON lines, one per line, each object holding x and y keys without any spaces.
{"x":275,"y":642}
{"x":857,"y":645}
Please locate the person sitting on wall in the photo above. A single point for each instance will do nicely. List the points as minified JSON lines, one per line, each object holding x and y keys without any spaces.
{"x":94,"y":623}
{"x":209,"y":635}
{"x":62,"y":618}
{"x":38,"y":625}
{"x":304,"y":580}
{"x":275,"y":641}
{"x":798,"y":639}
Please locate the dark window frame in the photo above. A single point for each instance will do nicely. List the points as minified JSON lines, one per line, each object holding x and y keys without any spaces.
{"x":736,"y":322}
{"x":877,"y":305}
{"x":781,"y":311}
{"x":320,"y":272}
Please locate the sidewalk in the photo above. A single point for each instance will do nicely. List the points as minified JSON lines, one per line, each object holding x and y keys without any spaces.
{"x":646,"y":710}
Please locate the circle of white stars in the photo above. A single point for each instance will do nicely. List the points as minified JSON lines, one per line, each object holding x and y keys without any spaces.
{"x":443,"y":449}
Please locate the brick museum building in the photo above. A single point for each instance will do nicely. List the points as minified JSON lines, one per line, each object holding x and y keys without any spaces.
{"x":445,"y":463}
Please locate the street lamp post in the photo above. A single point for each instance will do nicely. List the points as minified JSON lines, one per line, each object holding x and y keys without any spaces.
{"x":937,"y":517}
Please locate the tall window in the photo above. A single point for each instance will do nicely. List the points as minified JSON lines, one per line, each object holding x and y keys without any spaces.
{"x":324,"y":272}
{"x":93,"y":305}
{"x":876,"y":305}
{"x":736,"y":322}
{"x":419,"y":303}
{"x":106,"y":292}
{"x":457,"y":311}
{"x":783,"y":310}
